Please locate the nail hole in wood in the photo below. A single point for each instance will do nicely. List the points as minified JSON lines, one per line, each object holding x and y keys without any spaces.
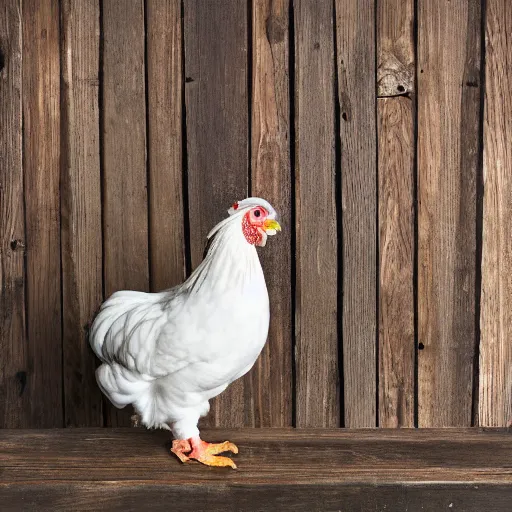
{"x":188,"y":80}
{"x":401,"y":88}
{"x":421,"y":346}
{"x":344,"y":116}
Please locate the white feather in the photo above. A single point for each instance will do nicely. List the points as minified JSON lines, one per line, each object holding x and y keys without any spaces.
{"x":169,"y":353}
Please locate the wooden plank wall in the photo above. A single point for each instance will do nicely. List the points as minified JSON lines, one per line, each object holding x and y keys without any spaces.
{"x":14,"y":403}
{"x":271,"y":178}
{"x":355,"y":24}
{"x":41,"y":177}
{"x":495,"y":389}
{"x":381,"y":133}
{"x":316,"y":354}
{"x":81,"y":242}
{"x":448,"y":139}
{"x":395,"y":117}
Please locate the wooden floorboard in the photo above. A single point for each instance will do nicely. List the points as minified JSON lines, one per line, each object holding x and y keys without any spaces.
{"x":278,"y":469}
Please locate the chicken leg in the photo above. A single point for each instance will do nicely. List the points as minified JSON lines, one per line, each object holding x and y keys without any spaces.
{"x":206,"y":453}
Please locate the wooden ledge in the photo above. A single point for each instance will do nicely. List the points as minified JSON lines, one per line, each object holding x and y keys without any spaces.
{"x":278,"y":469}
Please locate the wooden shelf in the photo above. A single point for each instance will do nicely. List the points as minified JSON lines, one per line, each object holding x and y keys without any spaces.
{"x":278,"y":469}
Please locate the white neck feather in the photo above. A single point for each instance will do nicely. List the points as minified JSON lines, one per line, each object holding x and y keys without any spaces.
{"x":230,"y":264}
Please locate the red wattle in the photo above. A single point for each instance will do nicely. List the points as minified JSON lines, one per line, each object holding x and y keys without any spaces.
{"x":251,"y":233}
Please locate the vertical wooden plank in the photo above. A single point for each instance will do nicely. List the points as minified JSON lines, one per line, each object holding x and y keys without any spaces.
{"x":271,"y":179}
{"x":495,"y":403}
{"x":396,"y":256}
{"x":448,"y":110}
{"x":80,"y":208}
{"x":166,"y":222}
{"x":395,"y":47}
{"x":217,"y":132}
{"x":13,"y":363}
{"x":395,"y":114}
{"x":41,"y":154}
{"x":125,"y":220}
{"x":318,"y":403}
{"x":355,"y":28}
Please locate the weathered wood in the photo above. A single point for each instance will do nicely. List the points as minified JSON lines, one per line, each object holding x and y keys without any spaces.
{"x":217,"y":138}
{"x":396,"y":255}
{"x":448,"y":110}
{"x":14,"y":404}
{"x":355,"y":30}
{"x":132,"y":469}
{"x":276,"y":454}
{"x":271,"y":378}
{"x":396,"y":152}
{"x":495,"y":395}
{"x":395,"y":47}
{"x":80,"y":208}
{"x":130,"y":496}
{"x":164,"y":82}
{"x":316,"y":355}
{"x":125,"y":221}
{"x":41,"y":163}
{"x":218,"y":105}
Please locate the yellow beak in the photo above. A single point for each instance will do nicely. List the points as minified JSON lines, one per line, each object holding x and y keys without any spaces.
{"x":271,"y":225}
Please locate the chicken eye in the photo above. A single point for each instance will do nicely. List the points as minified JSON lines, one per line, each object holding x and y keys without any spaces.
{"x":257,"y":213}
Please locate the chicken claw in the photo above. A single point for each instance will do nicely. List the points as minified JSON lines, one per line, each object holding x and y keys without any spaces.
{"x":180,"y":447}
{"x":203,"y":452}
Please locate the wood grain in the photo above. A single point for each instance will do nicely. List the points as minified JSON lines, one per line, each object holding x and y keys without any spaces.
{"x":448,"y":113}
{"x":217,"y":139}
{"x":316,"y":356}
{"x":125,"y":219}
{"x":396,"y":152}
{"x":73,"y":143}
{"x":14,"y":405}
{"x":82,"y":279}
{"x":355,"y":30}
{"x":127,"y":469}
{"x":376,"y":456}
{"x":133,"y":496}
{"x":271,"y":378}
{"x":396,"y":255}
{"x":41,"y":162}
{"x":495,"y":395}
{"x":165,"y":84}
{"x":395,"y":47}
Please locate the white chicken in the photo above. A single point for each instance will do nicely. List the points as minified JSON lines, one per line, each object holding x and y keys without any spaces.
{"x":169,"y":353}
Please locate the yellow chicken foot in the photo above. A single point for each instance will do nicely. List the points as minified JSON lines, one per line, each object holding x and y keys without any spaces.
{"x":180,"y":447}
{"x":206,"y":453}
